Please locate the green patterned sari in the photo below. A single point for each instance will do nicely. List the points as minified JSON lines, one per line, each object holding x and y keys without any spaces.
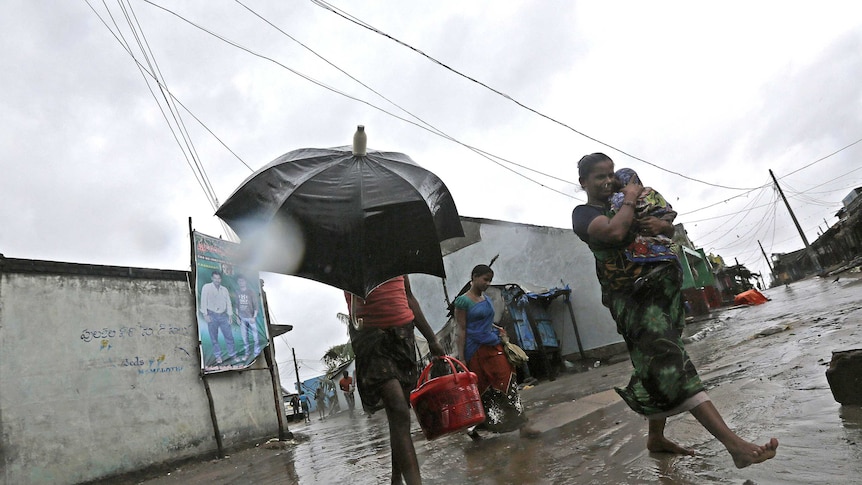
{"x":645,"y":300}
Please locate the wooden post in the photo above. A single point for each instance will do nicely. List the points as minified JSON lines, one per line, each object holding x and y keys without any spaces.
{"x":811,"y":253}
{"x":296,"y":369}
{"x":283,"y":432}
{"x":575,"y":325}
{"x":213,"y":415}
{"x":193,"y":287}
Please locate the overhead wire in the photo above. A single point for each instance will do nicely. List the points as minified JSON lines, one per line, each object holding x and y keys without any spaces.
{"x":150,"y":58}
{"x":745,"y":213}
{"x":341,"y":13}
{"x":325,"y":5}
{"x":427,"y":126}
{"x":753,"y":233}
{"x":187,"y":144}
{"x":773,"y":243}
{"x":825,"y":157}
{"x":152,"y":69}
{"x":785,"y":183}
{"x":782,"y":178}
{"x":494,"y":158}
{"x":121,"y":39}
{"x":430,"y":127}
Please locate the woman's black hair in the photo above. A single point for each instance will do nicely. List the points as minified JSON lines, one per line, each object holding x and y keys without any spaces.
{"x":587,"y":162}
{"x":481,"y":269}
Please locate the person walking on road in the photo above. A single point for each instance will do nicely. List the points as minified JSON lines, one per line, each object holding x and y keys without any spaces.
{"x":480,"y":345}
{"x":320,"y":402}
{"x":381,"y":332}
{"x":346,"y":385}
{"x":334,"y":405}
{"x":645,"y":302}
{"x":305,"y":405}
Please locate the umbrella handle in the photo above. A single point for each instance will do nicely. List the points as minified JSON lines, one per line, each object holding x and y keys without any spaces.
{"x":356,"y":322}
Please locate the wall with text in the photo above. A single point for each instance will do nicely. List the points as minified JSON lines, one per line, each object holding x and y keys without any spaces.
{"x":100,"y":375}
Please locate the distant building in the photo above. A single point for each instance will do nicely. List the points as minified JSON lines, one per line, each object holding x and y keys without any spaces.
{"x":836,"y":249}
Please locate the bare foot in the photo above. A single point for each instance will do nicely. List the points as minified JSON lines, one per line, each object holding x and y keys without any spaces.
{"x":529,"y":432}
{"x":750,"y":454}
{"x":664,"y":445}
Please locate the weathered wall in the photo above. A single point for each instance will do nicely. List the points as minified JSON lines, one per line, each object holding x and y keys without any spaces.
{"x":529,"y":255}
{"x":99,"y":376}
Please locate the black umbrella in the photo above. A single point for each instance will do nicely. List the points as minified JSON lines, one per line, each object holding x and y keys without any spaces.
{"x":361,"y":218}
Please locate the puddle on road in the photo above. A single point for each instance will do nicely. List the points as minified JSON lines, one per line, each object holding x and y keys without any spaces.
{"x":769,"y":386}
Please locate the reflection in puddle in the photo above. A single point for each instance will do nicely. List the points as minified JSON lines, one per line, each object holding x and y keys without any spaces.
{"x":851,"y":416}
{"x":769,"y":386}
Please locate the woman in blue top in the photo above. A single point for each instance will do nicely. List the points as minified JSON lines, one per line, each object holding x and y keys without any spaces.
{"x":482,"y":350}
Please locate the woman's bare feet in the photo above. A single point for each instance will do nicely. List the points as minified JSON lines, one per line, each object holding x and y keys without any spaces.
{"x":663,"y":445}
{"x":749,"y":453}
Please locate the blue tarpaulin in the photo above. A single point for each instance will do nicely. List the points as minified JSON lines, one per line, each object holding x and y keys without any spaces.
{"x":518,"y":301}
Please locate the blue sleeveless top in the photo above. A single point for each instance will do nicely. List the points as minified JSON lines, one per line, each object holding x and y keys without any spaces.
{"x":480,"y":324}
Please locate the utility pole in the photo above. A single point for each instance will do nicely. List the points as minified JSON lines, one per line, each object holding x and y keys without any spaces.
{"x":811,"y":253}
{"x":771,"y":271}
{"x":296,"y":368}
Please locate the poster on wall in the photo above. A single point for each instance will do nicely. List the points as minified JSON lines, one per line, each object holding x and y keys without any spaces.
{"x":231,"y":324}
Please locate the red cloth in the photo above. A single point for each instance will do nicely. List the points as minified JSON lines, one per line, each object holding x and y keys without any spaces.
{"x":386,"y":306}
{"x":491,"y":366}
{"x":750,"y":297}
{"x":345,"y":383}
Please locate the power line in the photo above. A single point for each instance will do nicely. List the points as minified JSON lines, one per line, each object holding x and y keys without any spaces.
{"x":121,"y":39}
{"x":186,"y":145}
{"x":787,"y":175}
{"x":727,"y":215}
{"x":824,"y":157}
{"x":152,"y":70}
{"x":429,"y":128}
{"x":149,"y":58}
{"x":351,"y":18}
{"x":432,"y":129}
{"x":746,"y":212}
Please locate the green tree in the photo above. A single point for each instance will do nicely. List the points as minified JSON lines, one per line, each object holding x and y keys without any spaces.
{"x":337,"y":355}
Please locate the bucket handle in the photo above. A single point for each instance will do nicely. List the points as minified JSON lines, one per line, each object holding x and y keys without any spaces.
{"x":449,"y":360}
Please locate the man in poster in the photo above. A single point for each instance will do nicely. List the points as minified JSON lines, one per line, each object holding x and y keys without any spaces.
{"x":247,"y":309}
{"x":217,"y":310}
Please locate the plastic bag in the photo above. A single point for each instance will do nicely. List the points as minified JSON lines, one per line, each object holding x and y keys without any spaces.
{"x":514,"y":354}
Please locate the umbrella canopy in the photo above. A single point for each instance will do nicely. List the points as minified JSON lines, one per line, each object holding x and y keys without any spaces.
{"x":360,"y":219}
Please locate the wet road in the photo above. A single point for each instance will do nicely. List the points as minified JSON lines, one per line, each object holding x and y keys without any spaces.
{"x":764,"y":368}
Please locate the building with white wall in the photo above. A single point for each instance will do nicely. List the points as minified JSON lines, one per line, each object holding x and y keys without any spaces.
{"x":535,"y":257}
{"x":100,"y":375}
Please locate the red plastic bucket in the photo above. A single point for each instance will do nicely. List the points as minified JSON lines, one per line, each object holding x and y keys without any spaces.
{"x":448,"y":403}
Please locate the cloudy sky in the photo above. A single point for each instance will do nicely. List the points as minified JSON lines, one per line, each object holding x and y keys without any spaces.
{"x":702,"y":99}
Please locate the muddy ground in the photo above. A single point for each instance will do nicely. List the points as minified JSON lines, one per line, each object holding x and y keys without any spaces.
{"x":764,"y":367}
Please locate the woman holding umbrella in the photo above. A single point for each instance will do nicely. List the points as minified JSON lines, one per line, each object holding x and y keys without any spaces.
{"x":381,"y":334}
{"x":645,"y":301}
{"x":350,"y":208}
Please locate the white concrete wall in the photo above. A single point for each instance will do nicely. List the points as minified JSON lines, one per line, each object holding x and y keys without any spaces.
{"x":99,"y":376}
{"x":529,"y":255}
